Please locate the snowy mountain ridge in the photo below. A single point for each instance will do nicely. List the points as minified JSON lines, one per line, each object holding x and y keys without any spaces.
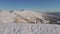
{"x":28,"y":16}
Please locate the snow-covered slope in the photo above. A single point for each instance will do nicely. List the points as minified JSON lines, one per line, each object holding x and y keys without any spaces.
{"x":28,"y":16}
{"x":25,"y":28}
{"x":20,"y":22}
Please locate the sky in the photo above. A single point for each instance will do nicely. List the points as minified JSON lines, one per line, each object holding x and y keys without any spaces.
{"x":45,"y":5}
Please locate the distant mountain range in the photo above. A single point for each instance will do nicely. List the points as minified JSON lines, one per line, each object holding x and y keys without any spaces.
{"x":55,"y":13}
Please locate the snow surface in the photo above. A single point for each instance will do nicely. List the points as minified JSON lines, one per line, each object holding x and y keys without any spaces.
{"x":25,"y":28}
{"x":28,"y":22}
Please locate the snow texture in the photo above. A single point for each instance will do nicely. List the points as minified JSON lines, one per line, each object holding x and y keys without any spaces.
{"x":25,"y":28}
{"x":28,"y":22}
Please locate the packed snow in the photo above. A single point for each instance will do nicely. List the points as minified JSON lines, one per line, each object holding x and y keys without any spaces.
{"x":25,"y":28}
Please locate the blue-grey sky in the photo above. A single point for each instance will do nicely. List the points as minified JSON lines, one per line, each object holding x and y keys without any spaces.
{"x":30,"y":4}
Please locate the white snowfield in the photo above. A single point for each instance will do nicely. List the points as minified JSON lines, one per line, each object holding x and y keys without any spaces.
{"x":25,"y":28}
{"x":28,"y":22}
